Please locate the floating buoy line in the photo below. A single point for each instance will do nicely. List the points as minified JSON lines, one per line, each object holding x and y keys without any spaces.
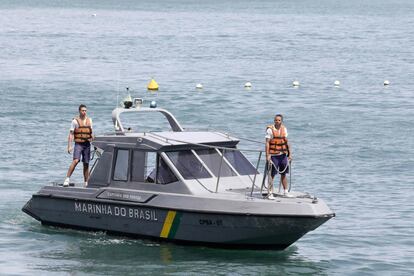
{"x":153,"y":85}
{"x":129,"y":102}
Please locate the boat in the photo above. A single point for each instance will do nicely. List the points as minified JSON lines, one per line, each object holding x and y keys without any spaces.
{"x":177,"y":185}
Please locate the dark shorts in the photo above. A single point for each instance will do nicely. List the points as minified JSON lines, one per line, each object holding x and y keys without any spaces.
{"x":280,"y":164}
{"x":84,"y":150}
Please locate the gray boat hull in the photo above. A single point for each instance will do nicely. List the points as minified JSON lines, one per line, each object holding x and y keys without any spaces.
{"x":187,"y":226}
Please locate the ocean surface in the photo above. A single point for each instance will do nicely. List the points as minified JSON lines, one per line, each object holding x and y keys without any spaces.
{"x":353,"y":145}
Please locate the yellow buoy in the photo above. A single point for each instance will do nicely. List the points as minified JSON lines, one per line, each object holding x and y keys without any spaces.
{"x":152,"y":85}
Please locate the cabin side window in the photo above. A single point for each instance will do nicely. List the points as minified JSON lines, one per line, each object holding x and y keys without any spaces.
{"x":150,"y":167}
{"x":144,"y":166}
{"x":121,"y":165}
{"x":100,"y":172}
{"x":164,"y":174}
{"x":139,"y":164}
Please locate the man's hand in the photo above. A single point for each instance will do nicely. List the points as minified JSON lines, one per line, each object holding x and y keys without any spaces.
{"x":69,"y":149}
{"x":268,"y":157}
{"x":290,"y":158}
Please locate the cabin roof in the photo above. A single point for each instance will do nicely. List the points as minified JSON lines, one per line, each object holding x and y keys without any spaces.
{"x":165,"y":140}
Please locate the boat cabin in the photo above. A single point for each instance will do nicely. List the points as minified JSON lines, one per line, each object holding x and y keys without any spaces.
{"x":177,"y":161}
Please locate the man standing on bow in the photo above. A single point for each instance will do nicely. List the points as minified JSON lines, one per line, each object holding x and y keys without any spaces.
{"x":278,"y":153}
{"x":81,"y":132}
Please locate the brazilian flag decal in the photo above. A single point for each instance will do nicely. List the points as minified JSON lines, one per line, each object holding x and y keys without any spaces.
{"x":171,"y":224}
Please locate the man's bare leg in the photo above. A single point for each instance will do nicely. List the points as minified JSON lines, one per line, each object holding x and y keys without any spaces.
{"x":270,"y":185}
{"x":85,"y":172}
{"x":283,"y":178}
{"x":284,"y":182}
{"x":72,"y":167}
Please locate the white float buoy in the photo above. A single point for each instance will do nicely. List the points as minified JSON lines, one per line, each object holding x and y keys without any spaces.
{"x":295,"y":83}
{"x":248,"y":84}
{"x":153,"y":104}
{"x":337,"y":83}
{"x":386,"y":82}
{"x":94,"y":15}
{"x":199,"y":86}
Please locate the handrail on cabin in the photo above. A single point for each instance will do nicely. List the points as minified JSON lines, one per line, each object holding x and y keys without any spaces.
{"x":119,"y":128}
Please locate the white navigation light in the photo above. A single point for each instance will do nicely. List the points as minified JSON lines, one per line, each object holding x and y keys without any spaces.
{"x":153,"y":104}
{"x":138,"y":102}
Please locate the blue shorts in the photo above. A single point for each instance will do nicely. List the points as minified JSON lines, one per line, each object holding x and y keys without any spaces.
{"x":280,"y":163}
{"x":84,"y":150}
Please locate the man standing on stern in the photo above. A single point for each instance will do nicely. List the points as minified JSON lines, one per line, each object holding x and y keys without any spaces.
{"x":81,"y":132}
{"x":278,"y":153}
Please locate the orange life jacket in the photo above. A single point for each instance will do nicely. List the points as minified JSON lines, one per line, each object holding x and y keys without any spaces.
{"x":83,"y":133}
{"x":278,"y":144}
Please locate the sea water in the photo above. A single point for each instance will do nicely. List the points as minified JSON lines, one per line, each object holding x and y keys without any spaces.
{"x":352,"y":145}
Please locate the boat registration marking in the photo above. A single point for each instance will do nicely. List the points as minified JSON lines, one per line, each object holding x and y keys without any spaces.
{"x":118,"y":211}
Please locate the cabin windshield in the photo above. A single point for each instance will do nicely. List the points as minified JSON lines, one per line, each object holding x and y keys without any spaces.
{"x":199,"y":163}
{"x":212,"y":159}
{"x":149,"y":167}
{"x":188,"y":165}
{"x":239,"y":162}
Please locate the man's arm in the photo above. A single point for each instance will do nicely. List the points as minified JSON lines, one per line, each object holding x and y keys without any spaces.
{"x":92,"y":134}
{"x":267,"y":149}
{"x":289,"y":148}
{"x":70,"y":139}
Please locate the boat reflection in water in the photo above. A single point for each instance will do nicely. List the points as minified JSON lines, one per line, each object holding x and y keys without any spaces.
{"x":180,"y":186}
